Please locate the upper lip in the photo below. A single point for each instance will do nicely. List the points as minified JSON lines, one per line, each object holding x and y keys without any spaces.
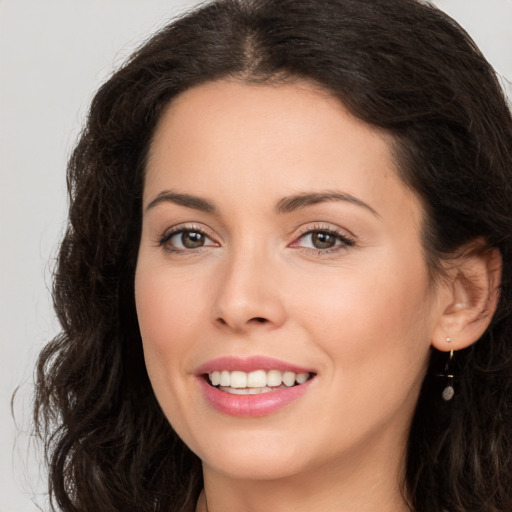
{"x":249,"y":364}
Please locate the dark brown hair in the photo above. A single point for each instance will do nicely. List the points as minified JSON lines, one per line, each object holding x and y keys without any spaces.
{"x":399,"y":65}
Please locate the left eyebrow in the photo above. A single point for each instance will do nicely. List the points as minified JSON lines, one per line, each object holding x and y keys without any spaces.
{"x":298,"y":201}
{"x":187,"y":200}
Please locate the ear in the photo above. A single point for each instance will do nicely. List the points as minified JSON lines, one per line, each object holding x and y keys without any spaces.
{"x":469,"y":297}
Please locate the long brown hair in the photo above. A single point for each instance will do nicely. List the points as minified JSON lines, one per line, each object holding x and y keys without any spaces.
{"x":401,"y":65}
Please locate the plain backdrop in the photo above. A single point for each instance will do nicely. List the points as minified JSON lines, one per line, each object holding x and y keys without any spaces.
{"x":53,"y":56}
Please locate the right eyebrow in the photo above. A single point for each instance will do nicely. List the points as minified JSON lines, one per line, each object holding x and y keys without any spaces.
{"x":187,"y":200}
{"x":302,"y":200}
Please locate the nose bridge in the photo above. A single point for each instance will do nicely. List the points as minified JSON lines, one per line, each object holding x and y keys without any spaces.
{"x":248,"y":292}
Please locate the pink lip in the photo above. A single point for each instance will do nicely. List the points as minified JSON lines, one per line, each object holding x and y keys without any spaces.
{"x":249,"y":364}
{"x":250,"y":405}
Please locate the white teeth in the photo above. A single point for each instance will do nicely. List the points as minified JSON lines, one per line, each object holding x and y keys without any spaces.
{"x":225,"y":378}
{"x":289,"y":379}
{"x":246,"y":391}
{"x":274,"y":378}
{"x":238,"y":380}
{"x":215,"y":378}
{"x":302,"y":377}
{"x":258,"y":380}
{"x":236,"y":391}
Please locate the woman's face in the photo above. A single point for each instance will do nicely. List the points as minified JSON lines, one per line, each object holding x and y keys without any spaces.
{"x":279,"y":243}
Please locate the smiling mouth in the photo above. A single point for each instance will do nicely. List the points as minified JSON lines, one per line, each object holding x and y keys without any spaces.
{"x":255,"y":382}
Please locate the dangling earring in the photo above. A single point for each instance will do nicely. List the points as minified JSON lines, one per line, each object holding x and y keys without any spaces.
{"x":448,"y":391}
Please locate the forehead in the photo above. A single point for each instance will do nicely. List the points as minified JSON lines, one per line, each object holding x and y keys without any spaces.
{"x":242,"y":142}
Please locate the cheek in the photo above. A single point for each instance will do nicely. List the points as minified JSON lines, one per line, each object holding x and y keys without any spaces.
{"x":377,"y":345}
{"x":167,"y":310}
{"x":372,"y":320}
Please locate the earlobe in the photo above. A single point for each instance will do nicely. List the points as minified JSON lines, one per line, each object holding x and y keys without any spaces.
{"x":469,"y":299}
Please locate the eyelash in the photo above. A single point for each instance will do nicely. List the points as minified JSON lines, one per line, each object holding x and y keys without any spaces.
{"x":163,"y":241}
{"x":344,"y":240}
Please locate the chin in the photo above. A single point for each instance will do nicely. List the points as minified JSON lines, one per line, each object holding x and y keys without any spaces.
{"x":256,"y":469}
{"x":253,"y":457}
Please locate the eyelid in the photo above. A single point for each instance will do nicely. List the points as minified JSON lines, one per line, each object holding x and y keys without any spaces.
{"x":325,"y":226}
{"x":179,"y":228}
{"x":346,"y":238}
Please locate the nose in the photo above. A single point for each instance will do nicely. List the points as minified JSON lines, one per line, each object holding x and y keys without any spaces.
{"x":248,"y":295}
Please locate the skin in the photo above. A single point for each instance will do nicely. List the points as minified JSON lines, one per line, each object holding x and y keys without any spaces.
{"x":362,"y":315}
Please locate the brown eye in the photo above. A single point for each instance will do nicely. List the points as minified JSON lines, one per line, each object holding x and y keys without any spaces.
{"x":186,"y":239}
{"x":323,"y":240}
{"x":192,"y":239}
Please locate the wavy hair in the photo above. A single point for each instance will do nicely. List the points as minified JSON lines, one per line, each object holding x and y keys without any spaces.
{"x":400,"y":65}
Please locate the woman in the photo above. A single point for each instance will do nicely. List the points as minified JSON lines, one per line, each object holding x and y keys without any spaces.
{"x":285,"y":284}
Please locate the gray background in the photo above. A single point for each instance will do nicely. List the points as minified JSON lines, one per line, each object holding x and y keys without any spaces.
{"x":53,"y":56}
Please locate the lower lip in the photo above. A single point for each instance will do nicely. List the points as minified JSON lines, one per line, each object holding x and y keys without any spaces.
{"x":251,"y":405}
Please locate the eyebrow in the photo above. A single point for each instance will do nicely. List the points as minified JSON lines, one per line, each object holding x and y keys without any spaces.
{"x":298,"y":201}
{"x":187,"y":200}
{"x":285,"y":205}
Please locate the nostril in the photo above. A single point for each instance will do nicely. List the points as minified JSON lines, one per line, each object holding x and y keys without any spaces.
{"x":251,"y":321}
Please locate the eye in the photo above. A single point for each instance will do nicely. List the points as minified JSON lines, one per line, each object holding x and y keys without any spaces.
{"x":186,"y":239}
{"x":323,"y":240}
